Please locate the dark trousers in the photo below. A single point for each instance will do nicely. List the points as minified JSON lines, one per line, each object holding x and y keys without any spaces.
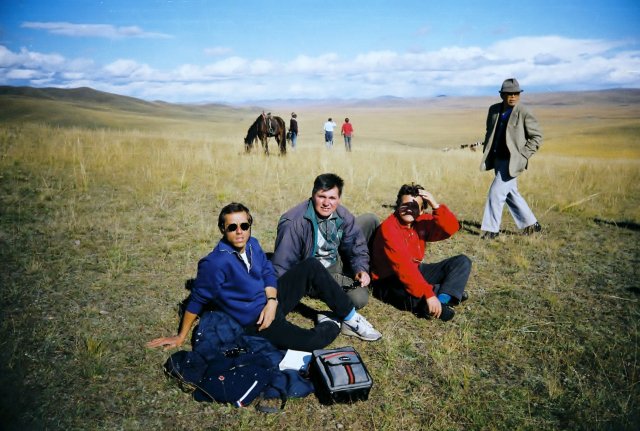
{"x":449,"y":276}
{"x":310,"y":278}
{"x":344,"y":274}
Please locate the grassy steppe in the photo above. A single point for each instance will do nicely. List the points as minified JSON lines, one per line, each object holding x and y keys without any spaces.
{"x":100,"y":228}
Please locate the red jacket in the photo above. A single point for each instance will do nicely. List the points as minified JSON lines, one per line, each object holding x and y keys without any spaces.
{"x":399,"y":249}
{"x":347,"y":129}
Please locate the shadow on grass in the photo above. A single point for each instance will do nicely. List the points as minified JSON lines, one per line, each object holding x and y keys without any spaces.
{"x":474,"y":228}
{"x":620,"y":224}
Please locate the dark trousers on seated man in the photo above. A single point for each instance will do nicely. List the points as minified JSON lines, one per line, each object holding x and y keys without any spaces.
{"x":308,"y":278}
{"x":368,"y":223}
{"x":448,"y":276}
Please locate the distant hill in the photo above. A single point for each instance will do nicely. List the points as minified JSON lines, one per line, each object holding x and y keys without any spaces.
{"x":86,"y":107}
{"x":619,"y":97}
{"x":83,"y":95}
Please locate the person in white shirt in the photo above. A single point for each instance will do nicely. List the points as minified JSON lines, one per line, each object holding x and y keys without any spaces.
{"x":328,"y":133}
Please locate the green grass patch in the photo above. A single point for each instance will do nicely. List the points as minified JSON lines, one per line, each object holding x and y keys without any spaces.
{"x":99,"y":229}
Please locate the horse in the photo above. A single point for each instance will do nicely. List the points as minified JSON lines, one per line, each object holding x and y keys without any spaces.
{"x":264,"y":128}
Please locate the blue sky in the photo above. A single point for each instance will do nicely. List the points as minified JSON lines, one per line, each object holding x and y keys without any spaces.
{"x":242,"y":50}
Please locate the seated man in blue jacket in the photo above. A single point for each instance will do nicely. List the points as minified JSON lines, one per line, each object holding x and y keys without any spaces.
{"x":238,"y":279}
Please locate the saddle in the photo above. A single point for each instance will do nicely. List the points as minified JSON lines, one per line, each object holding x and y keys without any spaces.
{"x":268,"y":121}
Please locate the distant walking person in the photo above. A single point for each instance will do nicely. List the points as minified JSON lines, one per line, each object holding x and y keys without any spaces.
{"x":511,"y":138}
{"x":293,"y":130}
{"x":347,"y":131}
{"x":328,"y":133}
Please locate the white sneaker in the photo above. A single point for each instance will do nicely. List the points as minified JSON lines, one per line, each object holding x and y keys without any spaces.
{"x":359,"y":327}
{"x":324,"y":318}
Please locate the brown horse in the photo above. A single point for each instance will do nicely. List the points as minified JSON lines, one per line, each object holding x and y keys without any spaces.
{"x":263,"y":128}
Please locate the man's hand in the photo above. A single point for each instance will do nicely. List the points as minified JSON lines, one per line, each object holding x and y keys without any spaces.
{"x":435,"y":307}
{"x":177,"y":340}
{"x":167,"y":342}
{"x":428,"y":198}
{"x":363,"y":278}
{"x":267,"y":315}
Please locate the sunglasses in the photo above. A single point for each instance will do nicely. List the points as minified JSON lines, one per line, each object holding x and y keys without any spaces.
{"x":409,"y":206}
{"x":233,"y":227}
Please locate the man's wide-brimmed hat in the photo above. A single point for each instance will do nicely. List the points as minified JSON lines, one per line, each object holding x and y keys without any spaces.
{"x":510,"y":85}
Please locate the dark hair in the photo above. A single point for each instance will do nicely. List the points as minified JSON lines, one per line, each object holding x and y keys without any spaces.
{"x":233,"y":207}
{"x":412,"y":189}
{"x":346,"y":120}
{"x":327,"y":182}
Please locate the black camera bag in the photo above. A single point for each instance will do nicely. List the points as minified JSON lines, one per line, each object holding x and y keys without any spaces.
{"x":340,"y":376}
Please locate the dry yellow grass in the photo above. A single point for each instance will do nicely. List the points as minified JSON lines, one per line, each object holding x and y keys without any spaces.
{"x":100,"y":229}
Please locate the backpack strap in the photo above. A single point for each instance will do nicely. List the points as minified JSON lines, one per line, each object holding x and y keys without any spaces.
{"x":270,"y":409}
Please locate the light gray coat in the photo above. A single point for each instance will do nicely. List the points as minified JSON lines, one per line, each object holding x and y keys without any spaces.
{"x":523,"y":136}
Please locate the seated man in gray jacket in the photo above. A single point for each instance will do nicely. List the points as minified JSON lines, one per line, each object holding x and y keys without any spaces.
{"x":322,"y":228}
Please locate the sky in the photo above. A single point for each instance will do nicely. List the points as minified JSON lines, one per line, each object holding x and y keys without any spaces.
{"x":238,"y":51}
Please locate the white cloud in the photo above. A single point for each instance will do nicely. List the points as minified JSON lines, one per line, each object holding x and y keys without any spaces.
{"x":8,"y":58}
{"x":304,"y":64}
{"x":564,"y":48}
{"x":130,"y":69}
{"x":93,"y":30}
{"x":23,"y":74}
{"x":545,"y":59}
{"x":550,"y":62}
{"x":72,"y":76}
{"x":262,"y":67}
{"x":36,"y":59}
{"x":29,"y":59}
{"x":232,"y":66}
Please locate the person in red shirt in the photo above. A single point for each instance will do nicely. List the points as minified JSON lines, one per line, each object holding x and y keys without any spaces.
{"x":399,"y":276}
{"x":346,"y":132}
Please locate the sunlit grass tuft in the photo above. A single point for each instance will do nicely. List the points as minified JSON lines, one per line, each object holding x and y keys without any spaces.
{"x":100,"y":229}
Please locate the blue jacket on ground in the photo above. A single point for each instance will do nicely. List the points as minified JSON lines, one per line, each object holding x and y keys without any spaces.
{"x":216,"y":334}
{"x":224,"y":281}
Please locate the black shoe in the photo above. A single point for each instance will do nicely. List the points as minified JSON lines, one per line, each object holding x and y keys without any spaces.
{"x":490,"y":235}
{"x":464,"y":297}
{"x":447,"y":313}
{"x":529,"y":230}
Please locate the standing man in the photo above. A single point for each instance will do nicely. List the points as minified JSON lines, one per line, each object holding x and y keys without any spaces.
{"x":328,"y":133}
{"x":511,"y":138}
{"x":293,"y":129}
{"x":399,"y":275}
{"x":347,"y":131}
{"x":320,"y":227}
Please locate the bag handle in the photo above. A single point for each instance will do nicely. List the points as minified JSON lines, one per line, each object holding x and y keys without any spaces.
{"x":268,"y":409}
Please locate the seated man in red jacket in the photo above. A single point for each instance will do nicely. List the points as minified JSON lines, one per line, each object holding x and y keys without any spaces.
{"x":399,"y":275}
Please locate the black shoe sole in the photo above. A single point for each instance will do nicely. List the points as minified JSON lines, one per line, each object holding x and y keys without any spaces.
{"x":465,"y":296}
{"x":447,"y":313}
{"x":530,"y":230}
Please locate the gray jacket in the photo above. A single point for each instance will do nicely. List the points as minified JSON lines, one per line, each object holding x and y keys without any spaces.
{"x":523,"y":136}
{"x":296,"y":239}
